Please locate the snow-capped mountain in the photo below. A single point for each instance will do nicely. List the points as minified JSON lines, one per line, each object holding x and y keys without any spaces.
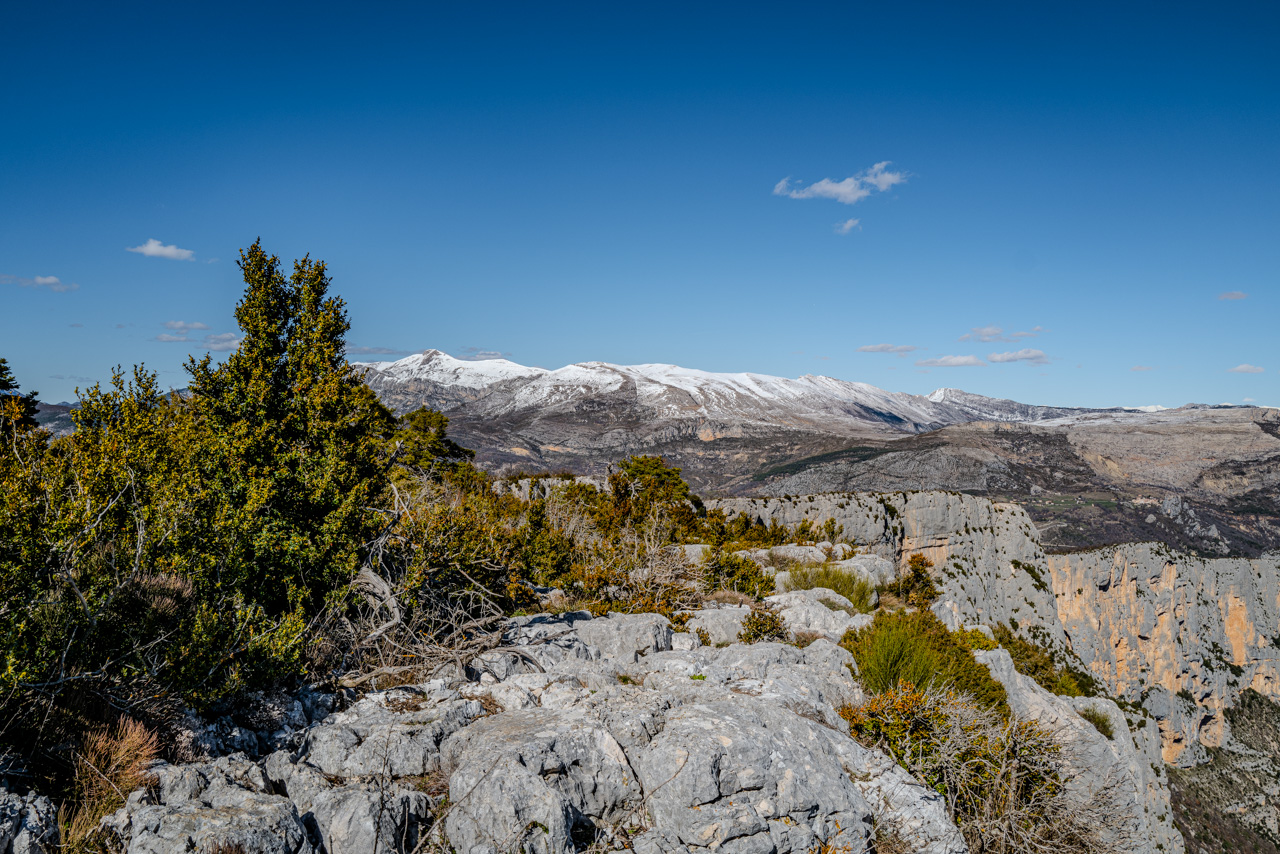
{"x":656,"y":393}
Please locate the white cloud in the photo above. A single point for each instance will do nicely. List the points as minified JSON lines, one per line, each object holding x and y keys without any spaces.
{"x":900,"y":349}
{"x":951,"y":362}
{"x":168,"y":339}
{"x":848,"y":191}
{"x":475,"y":354}
{"x":1142,"y":368}
{"x":990,"y":334}
{"x":1233,"y":295}
{"x":986,"y":334}
{"x":183,"y":326}
{"x":1250,"y":400}
{"x":155,"y":249}
{"x":1246,"y":369}
{"x":223,"y":341}
{"x":53,"y":283}
{"x":376,"y":351}
{"x":1035,"y":357}
{"x":847,"y":226}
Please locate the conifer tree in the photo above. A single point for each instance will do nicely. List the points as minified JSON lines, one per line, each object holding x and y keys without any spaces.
{"x":21,"y":408}
{"x":295,"y":438}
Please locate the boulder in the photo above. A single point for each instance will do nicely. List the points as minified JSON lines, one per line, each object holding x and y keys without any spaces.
{"x":196,"y":807}
{"x":721,"y":624}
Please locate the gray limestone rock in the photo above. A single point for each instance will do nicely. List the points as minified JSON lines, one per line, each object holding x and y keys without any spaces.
{"x":535,"y":780}
{"x":28,"y":824}
{"x":722,"y":624}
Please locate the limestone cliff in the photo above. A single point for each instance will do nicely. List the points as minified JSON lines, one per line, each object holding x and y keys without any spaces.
{"x":1180,"y":635}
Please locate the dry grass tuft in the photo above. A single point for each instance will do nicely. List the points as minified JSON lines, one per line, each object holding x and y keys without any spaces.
{"x":110,"y":765}
{"x":730,"y":597}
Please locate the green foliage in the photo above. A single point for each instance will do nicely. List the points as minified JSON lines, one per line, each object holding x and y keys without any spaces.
{"x":916,"y":586}
{"x":18,"y":409}
{"x":1100,"y":721}
{"x":726,"y":571}
{"x":1040,"y":664}
{"x":974,"y":639}
{"x":179,"y":546}
{"x":424,"y":449}
{"x":850,"y":585}
{"x":294,"y":459}
{"x":762,"y":625}
{"x":916,"y":649}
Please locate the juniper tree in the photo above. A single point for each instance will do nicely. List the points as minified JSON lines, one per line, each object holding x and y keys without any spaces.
{"x":294,"y":465}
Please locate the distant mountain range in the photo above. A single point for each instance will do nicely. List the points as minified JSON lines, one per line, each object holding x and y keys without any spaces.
{"x":1205,"y":478}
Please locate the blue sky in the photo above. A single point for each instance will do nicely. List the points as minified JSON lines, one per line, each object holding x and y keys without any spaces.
{"x":1047,"y":201}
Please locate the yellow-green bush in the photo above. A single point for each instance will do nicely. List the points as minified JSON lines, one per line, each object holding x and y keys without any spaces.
{"x":1040,"y":664}
{"x":762,"y":624}
{"x":917,"y":649}
{"x":850,"y":585}
{"x":1003,"y":779}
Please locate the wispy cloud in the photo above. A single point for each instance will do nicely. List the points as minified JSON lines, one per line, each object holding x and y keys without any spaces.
{"x":179,"y":333}
{"x":223,"y":341}
{"x":898,"y":349}
{"x":155,"y":249}
{"x":1246,"y":369}
{"x":951,"y":362}
{"x":53,"y":283}
{"x":1233,"y":295}
{"x":1034,"y":357}
{"x":76,"y":325}
{"x":376,"y":351}
{"x":475,"y":354}
{"x":989,"y":334}
{"x":848,"y":225}
{"x":1142,"y":368}
{"x":847,"y":191}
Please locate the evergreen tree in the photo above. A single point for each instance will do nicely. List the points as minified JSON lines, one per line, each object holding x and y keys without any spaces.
{"x":294,"y":463}
{"x":19,"y":408}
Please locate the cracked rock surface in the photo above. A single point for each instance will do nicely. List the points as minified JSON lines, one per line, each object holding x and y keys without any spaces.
{"x":629,"y":735}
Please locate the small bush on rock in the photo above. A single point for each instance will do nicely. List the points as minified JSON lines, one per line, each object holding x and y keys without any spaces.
{"x":850,"y":585}
{"x":917,"y":649}
{"x":727,"y":571}
{"x":761,"y":625}
{"x":1100,"y":722}
{"x":1004,"y":780}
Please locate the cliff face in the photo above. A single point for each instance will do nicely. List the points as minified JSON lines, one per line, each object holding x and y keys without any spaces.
{"x":986,"y":556}
{"x":1187,"y":634}
{"x":1181,"y":635}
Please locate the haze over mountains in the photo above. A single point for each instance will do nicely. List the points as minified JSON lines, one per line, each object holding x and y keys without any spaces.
{"x":1201,"y":477}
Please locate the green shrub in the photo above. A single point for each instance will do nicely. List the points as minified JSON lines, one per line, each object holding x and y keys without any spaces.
{"x":762,"y":624}
{"x":726,"y":571}
{"x":1002,"y":778}
{"x":850,"y":585}
{"x":917,"y":649}
{"x":1040,"y":664}
{"x":1100,"y":721}
{"x":974,"y":639}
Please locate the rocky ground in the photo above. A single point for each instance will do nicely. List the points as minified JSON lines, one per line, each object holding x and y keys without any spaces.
{"x":607,"y":732}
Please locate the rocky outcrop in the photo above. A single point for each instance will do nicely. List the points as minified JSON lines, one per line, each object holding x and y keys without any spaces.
{"x":28,"y":825}
{"x":986,"y":556}
{"x":1127,"y":763}
{"x":620,"y":737}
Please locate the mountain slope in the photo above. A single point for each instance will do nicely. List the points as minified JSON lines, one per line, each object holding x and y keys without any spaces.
{"x":722,"y":427}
